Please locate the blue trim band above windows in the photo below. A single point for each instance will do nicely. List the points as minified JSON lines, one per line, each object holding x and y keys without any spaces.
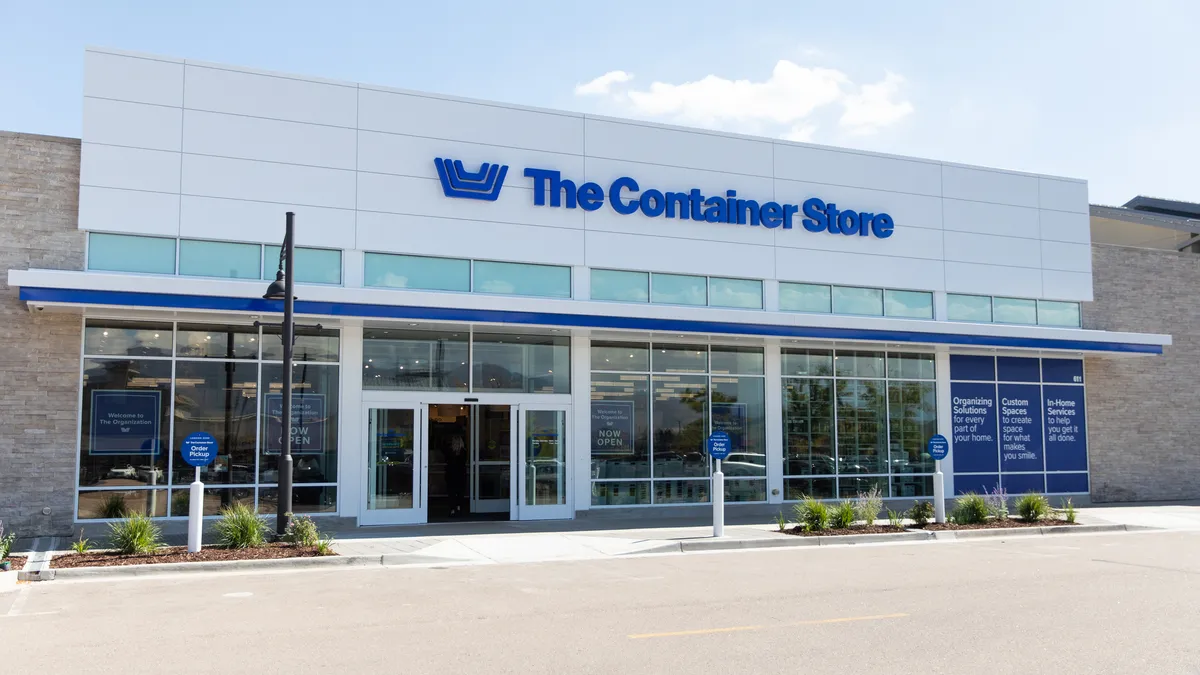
{"x":258,"y":305}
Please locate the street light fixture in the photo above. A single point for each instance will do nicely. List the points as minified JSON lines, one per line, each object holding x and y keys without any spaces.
{"x":283,"y":289}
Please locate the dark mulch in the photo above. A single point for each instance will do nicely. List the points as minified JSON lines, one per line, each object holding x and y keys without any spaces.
{"x":17,"y":561}
{"x":853,"y":529}
{"x":993,"y":524}
{"x":179,"y":554}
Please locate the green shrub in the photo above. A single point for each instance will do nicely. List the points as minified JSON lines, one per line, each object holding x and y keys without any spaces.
{"x":812,"y":515}
{"x":781,"y":521}
{"x":325,"y":546}
{"x":137,"y":534}
{"x":869,"y":504}
{"x":240,"y":527}
{"x":181,"y":502}
{"x":921,"y":513}
{"x":895,"y":519}
{"x":970,"y":509}
{"x":113,"y":506}
{"x":842,"y":516}
{"x":6,"y":542}
{"x":1032,"y":507}
{"x":1069,"y":511}
{"x":81,"y":545}
{"x":301,"y":531}
{"x":997,"y":501}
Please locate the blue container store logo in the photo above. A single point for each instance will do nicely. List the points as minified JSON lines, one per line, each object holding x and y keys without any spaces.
{"x":626,"y":197}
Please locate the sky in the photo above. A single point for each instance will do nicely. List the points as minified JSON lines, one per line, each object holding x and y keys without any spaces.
{"x":1095,"y":89}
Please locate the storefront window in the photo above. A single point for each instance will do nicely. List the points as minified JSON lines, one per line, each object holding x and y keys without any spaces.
{"x":621,"y":286}
{"x":679,"y":289}
{"x":974,"y":308}
{"x":909,"y":304}
{"x":649,"y":426}
{"x":313,"y":265}
{"x":1014,"y":310}
{"x":863,"y":301}
{"x":220,"y":259}
{"x":548,"y":281}
{"x":415,"y":360}
{"x":805,"y":298}
{"x":128,"y":253}
{"x":740,"y":293}
{"x":529,"y":364}
{"x":884,"y":410}
{"x":385,"y":270}
{"x":1052,"y":313}
{"x":201,"y":378}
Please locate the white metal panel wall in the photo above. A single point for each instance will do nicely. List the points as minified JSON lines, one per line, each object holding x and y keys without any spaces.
{"x":207,"y":151}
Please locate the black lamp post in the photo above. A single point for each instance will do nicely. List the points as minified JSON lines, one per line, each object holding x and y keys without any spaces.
{"x":283,"y":289}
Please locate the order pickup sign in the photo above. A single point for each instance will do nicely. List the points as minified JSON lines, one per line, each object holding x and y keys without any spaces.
{"x":199,"y":449}
{"x":939,"y":447}
{"x":719,"y":445}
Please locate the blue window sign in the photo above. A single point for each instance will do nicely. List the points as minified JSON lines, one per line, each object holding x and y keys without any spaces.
{"x":199,"y":449}
{"x":612,"y":427}
{"x":125,"y":422}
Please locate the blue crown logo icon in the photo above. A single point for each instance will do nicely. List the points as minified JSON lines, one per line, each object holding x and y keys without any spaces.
{"x":484,"y":184}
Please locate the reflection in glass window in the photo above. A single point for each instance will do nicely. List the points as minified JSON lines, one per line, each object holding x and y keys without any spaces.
{"x":547,"y":281}
{"x":315,"y":389}
{"x":220,"y":398}
{"x":680,"y":426}
{"x":215,"y":499}
{"x":208,"y":341}
{"x":313,"y":265}
{"x":1052,"y":313}
{"x":742,"y":293}
{"x":113,"y":504}
{"x":974,"y":308}
{"x":808,"y":427}
{"x":912,"y":421}
{"x":384,"y":270}
{"x":679,"y":289}
{"x":633,"y":356}
{"x":861,"y":434}
{"x":532,"y":364}
{"x":620,"y":493}
{"x":127,"y":253}
{"x":910,"y":366}
{"x":669,"y":358}
{"x":736,"y":360}
{"x":408,"y":360}
{"x":864,"y":301}
{"x":125,"y":422}
{"x":622,"y":286}
{"x":908,"y":304}
{"x":306,"y":499}
{"x":1014,"y":310}
{"x":220,"y":259}
{"x":807,"y":362}
{"x":805,"y":298}
{"x":858,"y":364}
{"x":738,"y":409}
{"x":102,"y":337}
{"x":312,"y":344}
{"x":620,"y":405}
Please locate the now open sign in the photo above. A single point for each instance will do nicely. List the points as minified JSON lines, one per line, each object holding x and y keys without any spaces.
{"x":308,"y":423}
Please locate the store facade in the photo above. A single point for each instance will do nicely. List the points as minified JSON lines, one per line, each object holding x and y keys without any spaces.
{"x":527,"y":314}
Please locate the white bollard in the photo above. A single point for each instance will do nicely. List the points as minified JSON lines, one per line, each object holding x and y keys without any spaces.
{"x":195,"y":514}
{"x":718,"y":502}
{"x":939,"y":493}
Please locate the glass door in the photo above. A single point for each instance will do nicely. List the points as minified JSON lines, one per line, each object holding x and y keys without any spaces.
{"x":542,"y":463}
{"x":396,"y":461}
{"x":491,"y":458}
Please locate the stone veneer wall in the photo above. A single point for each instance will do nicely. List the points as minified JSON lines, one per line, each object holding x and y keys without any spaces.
{"x":39,"y":353}
{"x":1144,"y":412}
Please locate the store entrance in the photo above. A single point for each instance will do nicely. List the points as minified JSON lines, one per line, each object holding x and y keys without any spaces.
{"x":470,"y":462}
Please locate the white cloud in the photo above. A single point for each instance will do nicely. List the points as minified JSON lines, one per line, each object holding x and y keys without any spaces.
{"x":873,"y":106}
{"x":603,"y":84}
{"x":785,"y":104}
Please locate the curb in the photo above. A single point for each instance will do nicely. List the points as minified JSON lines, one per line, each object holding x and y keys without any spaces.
{"x":952,"y":535}
{"x":37,"y":564}
{"x":211,"y":566}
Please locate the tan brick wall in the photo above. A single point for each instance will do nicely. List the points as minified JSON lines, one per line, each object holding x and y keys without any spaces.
{"x":1144,"y":412}
{"x":39,"y":353}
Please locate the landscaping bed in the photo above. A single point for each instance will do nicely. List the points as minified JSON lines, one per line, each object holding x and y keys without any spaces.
{"x":990,"y":524}
{"x":17,"y":561}
{"x":842,"y":531}
{"x":179,"y":554}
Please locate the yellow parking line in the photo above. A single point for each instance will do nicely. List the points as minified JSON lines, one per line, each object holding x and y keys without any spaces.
{"x":737,"y":629}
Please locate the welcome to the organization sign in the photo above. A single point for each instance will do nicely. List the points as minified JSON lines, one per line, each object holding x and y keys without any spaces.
{"x":626,"y":196}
